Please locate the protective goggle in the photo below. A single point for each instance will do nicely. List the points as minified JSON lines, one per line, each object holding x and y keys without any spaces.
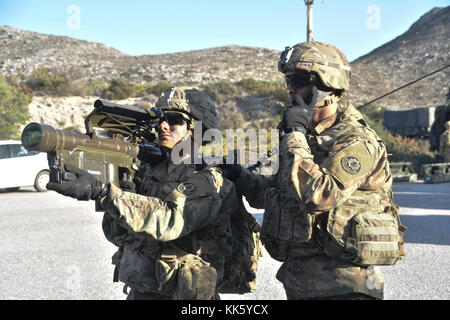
{"x":176,"y":118}
{"x":297,"y":81}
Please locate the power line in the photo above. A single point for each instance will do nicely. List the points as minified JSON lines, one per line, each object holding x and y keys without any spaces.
{"x":404,"y":86}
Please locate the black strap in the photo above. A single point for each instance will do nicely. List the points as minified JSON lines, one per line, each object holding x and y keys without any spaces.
{"x":125,"y":289}
{"x":116,"y":273}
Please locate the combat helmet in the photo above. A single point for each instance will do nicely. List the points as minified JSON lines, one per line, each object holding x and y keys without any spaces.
{"x":191,"y":102}
{"x":326,"y":60}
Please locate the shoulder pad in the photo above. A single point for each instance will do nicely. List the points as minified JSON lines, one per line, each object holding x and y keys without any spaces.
{"x":350,"y":164}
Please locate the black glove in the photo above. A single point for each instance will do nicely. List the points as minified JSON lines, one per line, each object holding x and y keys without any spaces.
{"x":84,"y":187}
{"x":298,"y":116}
{"x":231,"y":171}
{"x":128,"y":186}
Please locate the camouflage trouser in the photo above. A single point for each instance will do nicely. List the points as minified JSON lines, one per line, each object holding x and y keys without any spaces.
{"x":349,"y":296}
{"x":136,"y":295}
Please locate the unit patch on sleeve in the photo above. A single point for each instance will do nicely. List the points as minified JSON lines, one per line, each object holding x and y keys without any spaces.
{"x":186,"y":188}
{"x":351,"y":164}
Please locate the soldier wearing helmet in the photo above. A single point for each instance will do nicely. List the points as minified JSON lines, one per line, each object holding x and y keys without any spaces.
{"x":444,"y":143}
{"x":329,"y":211}
{"x":191,"y":106}
{"x":173,"y":233}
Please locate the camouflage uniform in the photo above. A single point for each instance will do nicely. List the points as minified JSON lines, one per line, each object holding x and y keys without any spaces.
{"x":444,"y":148}
{"x":325,"y":179}
{"x":183,"y":215}
{"x":174,"y":236}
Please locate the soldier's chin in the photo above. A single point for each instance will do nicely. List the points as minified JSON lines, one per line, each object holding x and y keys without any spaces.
{"x":166,"y":145}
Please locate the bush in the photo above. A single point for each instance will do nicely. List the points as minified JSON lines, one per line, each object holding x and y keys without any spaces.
{"x":259,"y":88}
{"x":399,"y":148}
{"x":118,"y":89}
{"x":13,"y":109}
{"x":41,"y":79}
{"x":221,"y":91}
{"x":158,"y":88}
{"x":97,"y":87}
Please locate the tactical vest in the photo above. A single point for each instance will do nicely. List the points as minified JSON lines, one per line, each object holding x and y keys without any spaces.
{"x":364,"y":229}
{"x":186,"y":268}
{"x":221,"y":258}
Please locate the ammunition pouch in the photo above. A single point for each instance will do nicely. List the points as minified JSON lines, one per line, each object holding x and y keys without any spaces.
{"x":185,"y":276}
{"x":285,"y":224}
{"x":364,"y":236}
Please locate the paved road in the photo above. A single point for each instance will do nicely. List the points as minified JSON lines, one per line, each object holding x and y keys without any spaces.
{"x":53,"y":248}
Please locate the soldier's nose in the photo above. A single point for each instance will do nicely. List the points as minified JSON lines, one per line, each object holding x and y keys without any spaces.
{"x":164,"y":126}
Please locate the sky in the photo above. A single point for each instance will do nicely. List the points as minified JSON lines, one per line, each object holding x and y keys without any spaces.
{"x":139,"y":27}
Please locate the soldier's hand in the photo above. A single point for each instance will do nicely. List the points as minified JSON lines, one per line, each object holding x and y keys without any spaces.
{"x":128,"y":186}
{"x":298,"y":116}
{"x":231,"y":171}
{"x":84,"y":187}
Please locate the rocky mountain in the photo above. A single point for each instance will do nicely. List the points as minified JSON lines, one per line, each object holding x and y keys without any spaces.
{"x":425,"y":47}
{"x":422,"y":49}
{"x":22,"y":51}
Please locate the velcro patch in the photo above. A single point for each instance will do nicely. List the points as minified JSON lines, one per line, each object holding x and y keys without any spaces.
{"x":351,"y":164}
{"x":186,"y":188}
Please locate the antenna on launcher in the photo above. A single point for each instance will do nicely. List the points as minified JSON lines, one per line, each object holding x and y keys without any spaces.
{"x":309,"y":17}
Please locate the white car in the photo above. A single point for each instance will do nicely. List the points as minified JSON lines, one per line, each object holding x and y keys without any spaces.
{"x":21,"y":168}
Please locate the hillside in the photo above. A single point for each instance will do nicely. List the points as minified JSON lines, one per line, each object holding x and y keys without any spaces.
{"x":422,"y":49}
{"x":22,"y":51}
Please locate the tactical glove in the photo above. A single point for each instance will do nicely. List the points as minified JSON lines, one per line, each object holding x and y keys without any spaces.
{"x":298,"y":116}
{"x":84,"y":187}
{"x":128,"y":186}
{"x":231,"y":171}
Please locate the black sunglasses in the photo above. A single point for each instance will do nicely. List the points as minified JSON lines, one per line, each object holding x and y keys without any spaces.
{"x":175,"y":119}
{"x":297,"y":81}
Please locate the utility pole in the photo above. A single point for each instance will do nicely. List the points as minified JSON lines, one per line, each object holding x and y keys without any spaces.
{"x":309,"y":17}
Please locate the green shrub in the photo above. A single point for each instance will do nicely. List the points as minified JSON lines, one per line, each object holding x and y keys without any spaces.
{"x":96,"y":87}
{"x":399,"y":148}
{"x":158,"y":88}
{"x":13,"y":109}
{"x":119,"y":89}
{"x":221,"y":91}
{"x":270,"y":89}
{"x":41,"y":79}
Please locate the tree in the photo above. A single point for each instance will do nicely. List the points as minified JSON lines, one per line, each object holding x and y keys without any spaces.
{"x":13,"y":109}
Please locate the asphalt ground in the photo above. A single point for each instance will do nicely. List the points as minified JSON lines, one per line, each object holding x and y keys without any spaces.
{"x":53,"y":248}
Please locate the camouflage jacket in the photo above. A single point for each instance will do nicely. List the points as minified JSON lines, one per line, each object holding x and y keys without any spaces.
{"x":179,"y":209}
{"x":324,"y":179}
{"x":444,"y":143}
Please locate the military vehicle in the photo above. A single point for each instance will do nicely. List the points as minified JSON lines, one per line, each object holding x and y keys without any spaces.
{"x":403,"y":172}
{"x":436,"y":172}
{"x":412,"y":123}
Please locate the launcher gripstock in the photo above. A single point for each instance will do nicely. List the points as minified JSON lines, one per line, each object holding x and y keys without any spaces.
{"x":117,"y":139}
